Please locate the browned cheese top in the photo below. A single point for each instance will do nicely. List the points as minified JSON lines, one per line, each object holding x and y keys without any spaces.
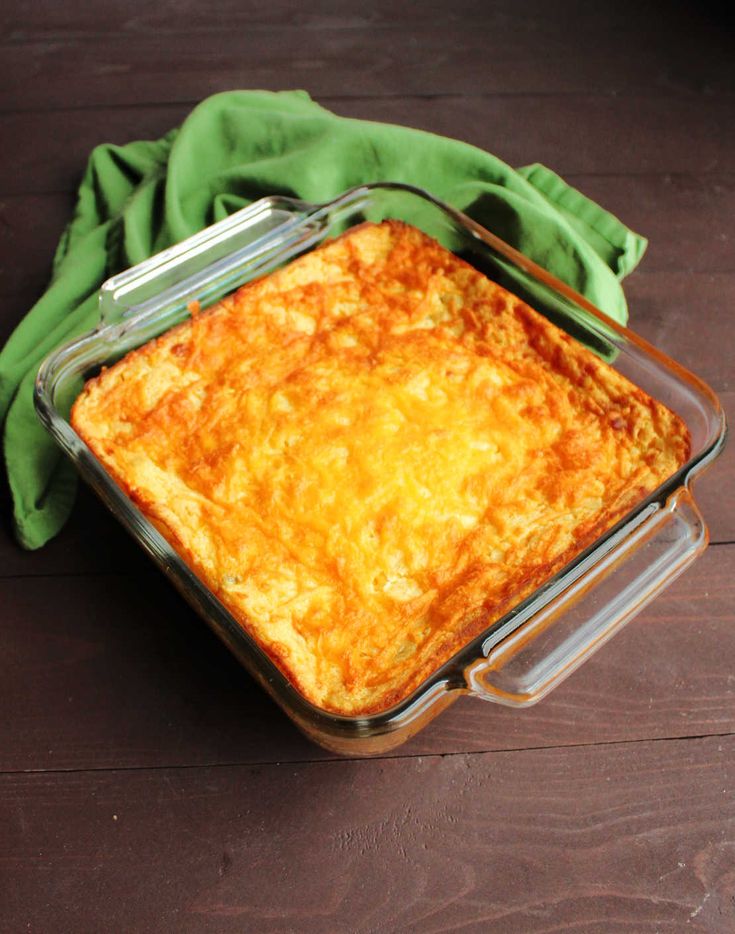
{"x":373,"y":453}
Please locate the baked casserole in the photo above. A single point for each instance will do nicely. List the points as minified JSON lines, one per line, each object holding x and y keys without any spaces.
{"x":372,"y":454}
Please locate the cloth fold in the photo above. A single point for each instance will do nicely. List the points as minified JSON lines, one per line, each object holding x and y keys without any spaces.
{"x":234,"y":148}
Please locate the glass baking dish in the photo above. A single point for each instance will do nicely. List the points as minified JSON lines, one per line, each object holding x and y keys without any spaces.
{"x":520,"y":657}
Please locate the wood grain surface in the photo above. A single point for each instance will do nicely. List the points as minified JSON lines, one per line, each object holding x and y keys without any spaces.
{"x":528,"y":841}
{"x":146,"y":783}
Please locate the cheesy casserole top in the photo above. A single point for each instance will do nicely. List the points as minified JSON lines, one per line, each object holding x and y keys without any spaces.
{"x":372,"y":453}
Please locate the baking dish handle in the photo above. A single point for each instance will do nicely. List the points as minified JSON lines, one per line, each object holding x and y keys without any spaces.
{"x":249,"y":243}
{"x":527,"y":664}
{"x":214,"y":261}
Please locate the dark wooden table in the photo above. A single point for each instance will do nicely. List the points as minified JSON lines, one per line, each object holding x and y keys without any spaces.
{"x":146,"y":783}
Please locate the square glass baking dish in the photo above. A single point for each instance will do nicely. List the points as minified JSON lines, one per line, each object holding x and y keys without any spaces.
{"x":520,"y":657}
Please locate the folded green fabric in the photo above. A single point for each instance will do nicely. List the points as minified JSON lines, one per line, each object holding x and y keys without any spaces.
{"x":137,"y":199}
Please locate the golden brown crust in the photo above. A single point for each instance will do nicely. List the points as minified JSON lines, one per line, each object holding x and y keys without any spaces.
{"x":372,"y":454}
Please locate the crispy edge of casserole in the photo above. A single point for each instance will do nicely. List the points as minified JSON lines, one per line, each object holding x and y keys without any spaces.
{"x":372,"y":454}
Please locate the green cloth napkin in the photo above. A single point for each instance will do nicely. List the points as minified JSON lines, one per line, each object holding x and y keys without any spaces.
{"x":137,"y":199}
